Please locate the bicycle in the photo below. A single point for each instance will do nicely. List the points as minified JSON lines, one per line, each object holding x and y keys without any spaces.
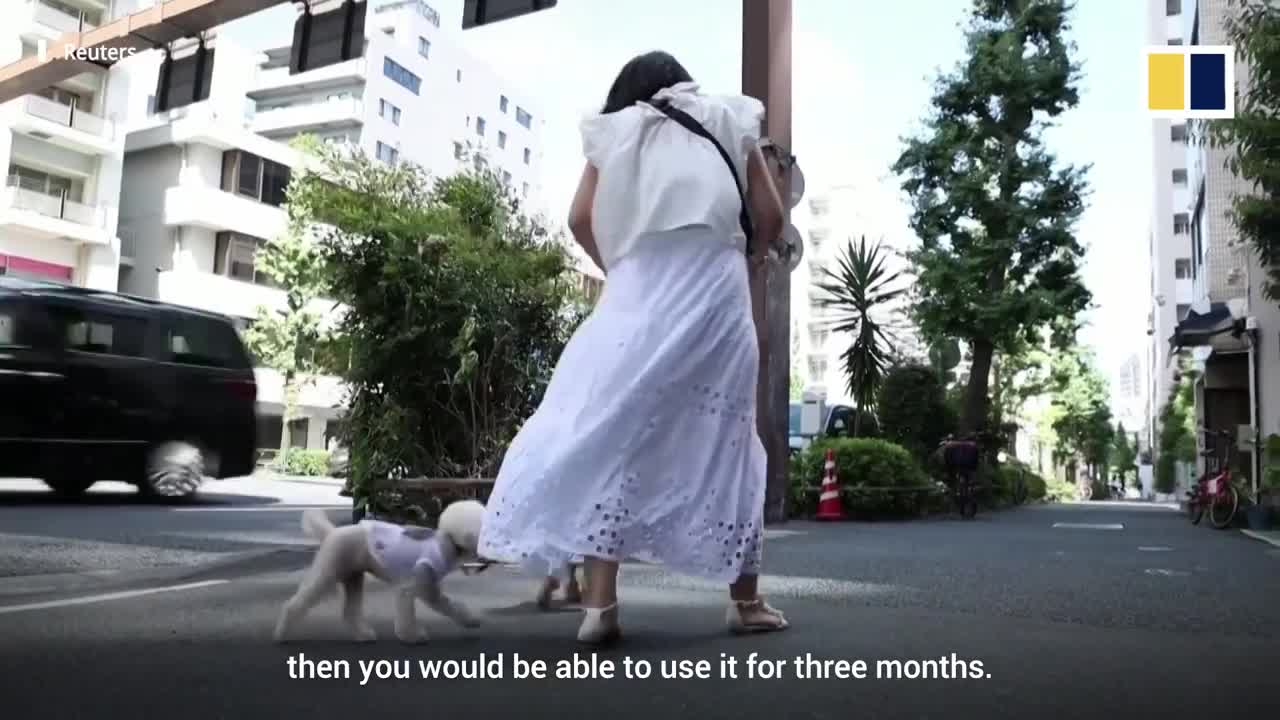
{"x":1215,"y":487}
{"x":960,"y":462}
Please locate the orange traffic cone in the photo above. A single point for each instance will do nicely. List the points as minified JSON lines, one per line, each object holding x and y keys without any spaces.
{"x":829,"y":506}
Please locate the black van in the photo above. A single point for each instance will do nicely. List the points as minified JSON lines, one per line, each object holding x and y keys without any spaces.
{"x":97,"y":385}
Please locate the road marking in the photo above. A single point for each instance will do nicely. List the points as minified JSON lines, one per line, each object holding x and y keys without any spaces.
{"x":1090,"y":526}
{"x":258,"y":508}
{"x":1167,"y":573}
{"x":7,"y":609}
{"x":1154,"y":548}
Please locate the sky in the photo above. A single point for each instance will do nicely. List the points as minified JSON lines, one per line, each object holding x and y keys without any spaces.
{"x":863,"y":72}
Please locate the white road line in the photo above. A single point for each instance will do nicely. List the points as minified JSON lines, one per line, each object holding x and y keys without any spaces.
{"x":260,"y":508}
{"x":7,"y":609}
{"x":1090,"y":526}
{"x":1166,"y":572}
{"x":1154,"y":548}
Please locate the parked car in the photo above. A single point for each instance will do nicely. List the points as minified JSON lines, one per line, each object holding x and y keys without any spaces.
{"x":837,"y":421}
{"x":104,"y":386}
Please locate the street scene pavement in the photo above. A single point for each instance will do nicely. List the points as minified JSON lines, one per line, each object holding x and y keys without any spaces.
{"x":110,"y":605}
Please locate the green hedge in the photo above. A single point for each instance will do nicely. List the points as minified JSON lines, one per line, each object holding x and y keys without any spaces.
{"x":310,"y":463}
{"x":861,"y":463}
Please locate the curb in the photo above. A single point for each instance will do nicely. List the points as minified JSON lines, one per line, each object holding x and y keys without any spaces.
{"x":1256,"y":535}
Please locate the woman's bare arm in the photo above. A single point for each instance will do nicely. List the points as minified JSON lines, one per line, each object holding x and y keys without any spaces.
{"x":763,"y":203}
{"x":580,"y":214}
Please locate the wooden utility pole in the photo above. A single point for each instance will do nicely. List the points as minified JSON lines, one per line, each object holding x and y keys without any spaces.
{"x":766,"y":75}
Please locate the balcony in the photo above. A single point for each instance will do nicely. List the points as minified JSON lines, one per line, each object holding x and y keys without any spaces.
{"x":62,"y":125}
{"x":328,"y":115}
{"x":277,"y":82}
{"x":40,"y":21}
{"x":227,"y":295}
{"x":47,"y":216}
{"x":214,"y":209}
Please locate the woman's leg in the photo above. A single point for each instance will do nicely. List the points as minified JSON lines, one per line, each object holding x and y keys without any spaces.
{"x":748,"y":612}
{"x":602,"y":583}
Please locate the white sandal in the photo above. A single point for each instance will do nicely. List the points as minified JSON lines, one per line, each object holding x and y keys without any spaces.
{"x":600,"y":626}
{"x":754,"y":616}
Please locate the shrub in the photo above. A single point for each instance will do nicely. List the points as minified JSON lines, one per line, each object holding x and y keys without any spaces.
{"x":861,"y":463}
{"x":310,"y":463}
{"x":913,"y":409}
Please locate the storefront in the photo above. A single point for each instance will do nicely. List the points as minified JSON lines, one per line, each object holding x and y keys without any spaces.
{"x":28,"y":269}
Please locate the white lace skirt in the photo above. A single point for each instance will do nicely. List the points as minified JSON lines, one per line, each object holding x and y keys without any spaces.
{"x":645,"y":445}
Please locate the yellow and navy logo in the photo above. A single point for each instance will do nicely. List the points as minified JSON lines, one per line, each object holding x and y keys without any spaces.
{"x":1194,"y":82}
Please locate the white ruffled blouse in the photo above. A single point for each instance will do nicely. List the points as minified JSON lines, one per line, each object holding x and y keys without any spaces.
{"x":655,"y":175}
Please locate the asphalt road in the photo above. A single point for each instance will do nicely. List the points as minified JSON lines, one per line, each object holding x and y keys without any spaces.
{"x":1066,"y":621}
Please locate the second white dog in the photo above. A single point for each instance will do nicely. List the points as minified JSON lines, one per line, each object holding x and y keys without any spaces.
{"x":414,"y":560}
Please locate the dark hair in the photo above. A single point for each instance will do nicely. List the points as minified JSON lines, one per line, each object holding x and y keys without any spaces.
{"x":642,"y":77}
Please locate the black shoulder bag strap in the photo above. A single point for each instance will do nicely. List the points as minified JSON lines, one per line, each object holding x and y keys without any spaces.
{"x":696,"y":128}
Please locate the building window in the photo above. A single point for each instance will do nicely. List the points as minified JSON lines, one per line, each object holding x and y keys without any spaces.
{"x":523,"y":117}
{"x":1172,"y":7}
{"x":1181,"y":311}
{"x":1180,"y":176}
{"x":1182,"y":268}
{"x":424,"y":47}
{"x":401,"y":75}
{"x":389,"y":112}
{"x":502,"y":103}
{"x":480,"y":124}
{"x":502,"y":139}
{"x":459,"y":75}
{"x":1181,"y":224}
{"x":1175,"y":41}
{"x":458,"y":151}
{"x":387,"y":154}
{"x":1178,"y":133}
{"x":524,"y":189}
{"x":254,"y":177}
{"x":528,"y":155}
{"x":506,"y":178}
{"x":235,"y":255}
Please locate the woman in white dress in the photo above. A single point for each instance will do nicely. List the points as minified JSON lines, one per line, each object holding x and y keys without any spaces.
{"x":645,"y":444}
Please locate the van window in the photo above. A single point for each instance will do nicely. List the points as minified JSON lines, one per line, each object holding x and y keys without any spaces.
{"x":8,"y":326}
{"x":204,"y":342}
{"x":93,"y":332}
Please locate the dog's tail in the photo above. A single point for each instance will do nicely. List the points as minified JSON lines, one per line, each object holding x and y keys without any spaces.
{"x":316,"y":524}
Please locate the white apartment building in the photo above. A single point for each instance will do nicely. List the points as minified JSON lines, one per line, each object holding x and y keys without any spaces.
{"x":410,"y":93}
{"x":837,"y":216}
{"x":1240,"y":387}
{"x":1169,"y":241}
{"x":203,"y":193}
{"x":62,"y":151}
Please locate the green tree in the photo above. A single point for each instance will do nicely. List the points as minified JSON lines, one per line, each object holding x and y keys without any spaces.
{"x":1124,"y":454}
{"x":998,"y":259}
{"x":860,"y":293}
{"x":291,"y":340}
{"x":1253,"y":135}
{"x":1081,"y":415}
{"x":457,"y":307}
{"x":913,"y":410}
{"x":1177,"y":441}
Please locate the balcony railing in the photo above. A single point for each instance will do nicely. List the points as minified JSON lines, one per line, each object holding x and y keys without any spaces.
{"x":60,"y":19}
{"x":318,"y":113}
{"x":56,"y":112}
{"x":19,"y":195}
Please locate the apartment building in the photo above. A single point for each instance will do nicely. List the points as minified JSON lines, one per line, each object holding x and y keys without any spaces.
{"x":62,"y":150}
{"x":1169,"y":241}
{"x":203,"y":194}
{"x":401,"y":88}
{"x":1234,"y":330}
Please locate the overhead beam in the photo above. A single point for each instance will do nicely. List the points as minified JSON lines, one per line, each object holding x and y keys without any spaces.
{"x":155,"y":26}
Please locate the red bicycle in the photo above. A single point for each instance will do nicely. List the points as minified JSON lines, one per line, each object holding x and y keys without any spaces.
{"x":1215,"y":489}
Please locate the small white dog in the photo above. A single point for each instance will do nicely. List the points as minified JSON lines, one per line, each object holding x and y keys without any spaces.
{"x":415,"y":560}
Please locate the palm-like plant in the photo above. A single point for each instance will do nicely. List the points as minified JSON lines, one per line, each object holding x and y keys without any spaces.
{"x":860,"y":289}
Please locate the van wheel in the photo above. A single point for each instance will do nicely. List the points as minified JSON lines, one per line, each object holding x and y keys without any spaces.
{"x":69,"y":487}
{"x":174,"y":470}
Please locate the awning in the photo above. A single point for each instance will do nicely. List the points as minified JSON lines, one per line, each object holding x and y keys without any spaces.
{"x":1196,"y":329}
